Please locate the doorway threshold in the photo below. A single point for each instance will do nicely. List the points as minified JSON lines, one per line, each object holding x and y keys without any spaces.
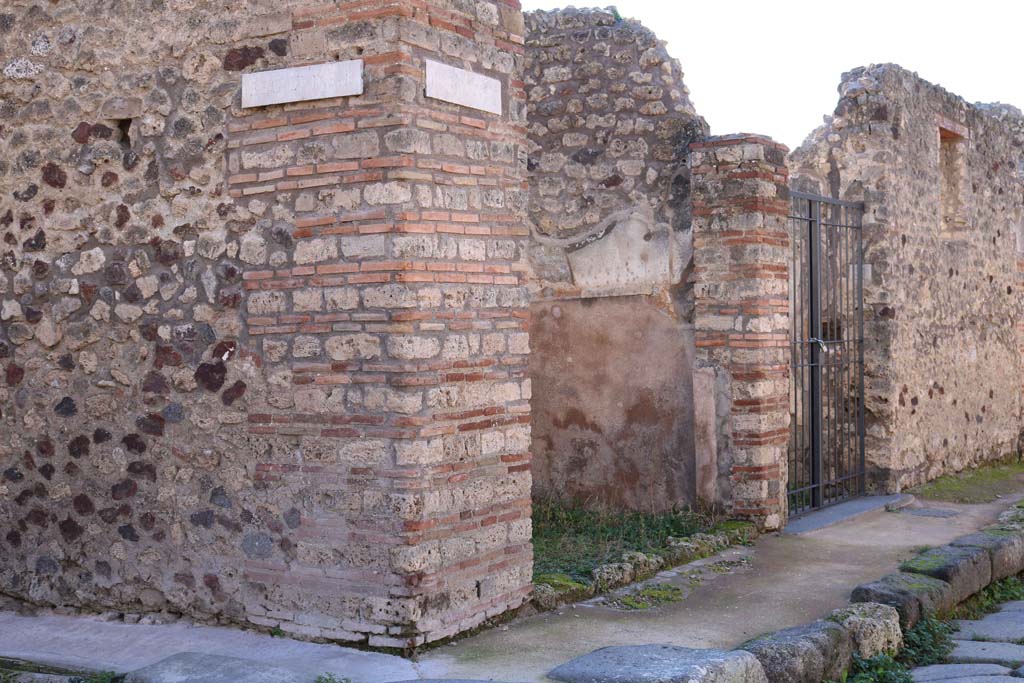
{"x":835,"y":514}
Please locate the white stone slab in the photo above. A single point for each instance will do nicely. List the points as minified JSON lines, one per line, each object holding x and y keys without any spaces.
{"x":460,"y":86}
{"x":303,"y":83}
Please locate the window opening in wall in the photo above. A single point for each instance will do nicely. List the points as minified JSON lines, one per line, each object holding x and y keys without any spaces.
{"x":953,"y":178}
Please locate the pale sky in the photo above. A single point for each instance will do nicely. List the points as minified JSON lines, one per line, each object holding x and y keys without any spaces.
{"x":772,"y":66}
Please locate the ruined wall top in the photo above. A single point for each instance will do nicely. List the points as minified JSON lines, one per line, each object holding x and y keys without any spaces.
{"x":610,"y":121}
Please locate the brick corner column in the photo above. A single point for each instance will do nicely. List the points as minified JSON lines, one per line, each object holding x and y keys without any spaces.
{"x":393,"y":322}
{"x":742,"y":258}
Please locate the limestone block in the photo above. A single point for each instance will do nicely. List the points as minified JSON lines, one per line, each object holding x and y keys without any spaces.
{"x":820,"y":651}
{"x":316,"y":250}
{"x":661,"y":663}
{"x":352,"y":346}
{"x":874,"y":628}
{"x":1005,"y":549}
{"x":966,"y":569}
{"x":913,"y":595}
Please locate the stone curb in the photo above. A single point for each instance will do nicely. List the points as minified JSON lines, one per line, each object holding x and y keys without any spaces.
{"x":940,"y":578}
{"x":555,"y":590}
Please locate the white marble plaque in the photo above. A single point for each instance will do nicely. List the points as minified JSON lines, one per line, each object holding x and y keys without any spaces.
{"x":460,"y":86}
{"x":302,"y":83}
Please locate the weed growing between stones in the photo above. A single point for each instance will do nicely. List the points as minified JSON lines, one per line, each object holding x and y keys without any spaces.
{"x":331,"y":678}
{"x":653,"y":595}
{"x":877,"y":669}
{"x":989,"y":599}
{"x":572,"y":541}
{"x":927,"y":643}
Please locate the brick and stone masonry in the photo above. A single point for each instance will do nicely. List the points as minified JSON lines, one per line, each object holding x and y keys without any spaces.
{"x":941,"y":180}
{"x":266,"y":365}
{"x":741,"y":267}
{"x":610,"y":120}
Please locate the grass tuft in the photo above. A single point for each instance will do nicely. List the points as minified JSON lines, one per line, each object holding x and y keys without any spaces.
{"x":572,"y":541}
{"x":981,"y":485}
{"x":990,"y":598}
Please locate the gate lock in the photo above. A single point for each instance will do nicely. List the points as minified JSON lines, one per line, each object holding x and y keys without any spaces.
{"x":820,"y":342}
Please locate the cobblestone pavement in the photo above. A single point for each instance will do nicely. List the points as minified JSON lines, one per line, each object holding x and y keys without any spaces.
{"x":987,"y":651}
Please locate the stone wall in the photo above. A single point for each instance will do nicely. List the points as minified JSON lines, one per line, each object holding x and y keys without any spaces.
{"x":263,"y":365}
{"x":941,"y":180}
{"x":610,"y":121}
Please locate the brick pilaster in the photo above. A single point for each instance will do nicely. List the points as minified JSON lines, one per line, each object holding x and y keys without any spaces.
{"x":741,"y":273}
{"x":392,"y":314}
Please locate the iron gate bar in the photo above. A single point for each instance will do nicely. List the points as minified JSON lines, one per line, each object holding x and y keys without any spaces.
{"x":826,"y":455}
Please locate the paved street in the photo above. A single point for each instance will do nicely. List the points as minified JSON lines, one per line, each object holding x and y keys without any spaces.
{"x":987,"y":650}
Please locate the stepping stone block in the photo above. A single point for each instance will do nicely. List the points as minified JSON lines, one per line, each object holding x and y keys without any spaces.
{"x":913,"y":595}
{"x":1007,"y":627}
{"x":660,"y":664}
{"x":966,"y":569}
{"x":945,"y":672}
{"x":1005,"y":549}
{"x":975,"y":652}
{"x":820,"y":651}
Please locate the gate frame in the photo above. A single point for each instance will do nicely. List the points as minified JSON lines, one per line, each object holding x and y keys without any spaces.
{"x":815,"y":343}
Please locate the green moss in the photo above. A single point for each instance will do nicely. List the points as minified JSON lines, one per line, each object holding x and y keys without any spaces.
{"x":981,"y":485}
{"x":650,"y":596}
{"x":12,"y":667}
{"x":1001,"y":533}
{"x":562,"y":583}
{"x":923,"y":564}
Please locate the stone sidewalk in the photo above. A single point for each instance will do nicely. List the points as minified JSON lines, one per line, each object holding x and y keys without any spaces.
{"x":787,"y":581}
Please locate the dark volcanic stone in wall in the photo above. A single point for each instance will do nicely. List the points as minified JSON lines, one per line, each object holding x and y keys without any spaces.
{"x":610,"y":121}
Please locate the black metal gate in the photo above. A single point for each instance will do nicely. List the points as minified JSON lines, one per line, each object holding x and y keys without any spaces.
{"x":826,"y":450}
